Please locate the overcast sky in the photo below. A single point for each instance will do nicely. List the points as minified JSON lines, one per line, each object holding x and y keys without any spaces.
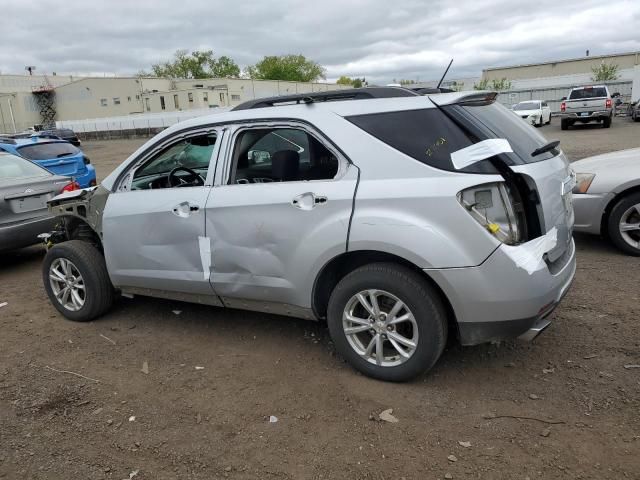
{"x":378,"y":39}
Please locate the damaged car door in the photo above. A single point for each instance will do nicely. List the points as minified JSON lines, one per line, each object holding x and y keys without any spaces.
{"x":280,"y":210}
{"x":154,"y":221}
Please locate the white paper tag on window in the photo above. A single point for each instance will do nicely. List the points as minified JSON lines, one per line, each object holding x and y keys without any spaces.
{"x":479,"y":151}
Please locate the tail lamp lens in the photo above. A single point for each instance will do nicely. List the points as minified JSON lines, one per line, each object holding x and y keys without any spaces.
{"x":608,"y":103}
{"x":563,"y":106}
{"x":70,"y":187}
{"x":492,"y":205}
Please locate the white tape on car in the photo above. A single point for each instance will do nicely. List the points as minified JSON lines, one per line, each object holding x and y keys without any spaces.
{"x":529,"y":256}
{"x":479,"y":151}
{"x":205,"y":256}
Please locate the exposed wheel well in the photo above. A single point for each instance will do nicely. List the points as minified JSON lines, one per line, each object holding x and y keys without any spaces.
{"x":345,"y":263}
{"x":610,"y":205}
{"x":78,"y":229}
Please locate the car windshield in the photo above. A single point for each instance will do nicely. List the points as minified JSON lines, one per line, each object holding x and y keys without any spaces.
{"x":527,"y":106}
{"x":588,"y":92}
{"x":46,"y":151}
{"x":16,"y":167}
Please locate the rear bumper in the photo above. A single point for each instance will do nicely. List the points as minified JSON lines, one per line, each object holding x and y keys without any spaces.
{"x":25,"y":233}
{"x":499,"y":300}
{"x":88,"y":179}
{"x":592,"y":115}
{"x":588,"y":210}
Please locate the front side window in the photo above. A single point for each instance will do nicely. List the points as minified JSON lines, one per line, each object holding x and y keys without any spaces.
{"x":181,"y":164}
{"x":264,"y":155}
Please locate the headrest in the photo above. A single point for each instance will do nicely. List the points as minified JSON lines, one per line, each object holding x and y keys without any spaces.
{"x":285,"y":165}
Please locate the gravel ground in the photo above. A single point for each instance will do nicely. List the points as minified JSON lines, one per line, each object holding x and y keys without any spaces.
{"x":564,"y":406}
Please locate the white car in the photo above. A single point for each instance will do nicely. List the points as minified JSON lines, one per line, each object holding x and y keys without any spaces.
{"x":536,"y":112}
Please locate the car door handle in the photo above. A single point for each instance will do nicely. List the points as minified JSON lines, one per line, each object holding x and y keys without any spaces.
{"x":308,"y":200}
{"x":185,"y":209}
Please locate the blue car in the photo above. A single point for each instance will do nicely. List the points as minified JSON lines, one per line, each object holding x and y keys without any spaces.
{"x":56,"y":155}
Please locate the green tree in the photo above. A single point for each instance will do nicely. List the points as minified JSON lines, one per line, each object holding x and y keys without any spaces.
{"x":483,"y":84}
{"x":604,"y":72}
{"x":496,"y":84}
{"x":406,"y":82}
{"x":198,"y":64}
{"x":294,"y":68}
{"x":225,"y":67}
{"x":354,"y":82}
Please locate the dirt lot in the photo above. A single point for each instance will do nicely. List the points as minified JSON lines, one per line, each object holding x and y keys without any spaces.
{"x":562,"y":407}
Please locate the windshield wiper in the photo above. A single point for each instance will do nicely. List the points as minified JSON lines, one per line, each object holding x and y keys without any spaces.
{"x":60,"y":155}
{"x":546,"y":148}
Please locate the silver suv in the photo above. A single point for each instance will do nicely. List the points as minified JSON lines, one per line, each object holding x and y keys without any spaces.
{"x":401,"y":219}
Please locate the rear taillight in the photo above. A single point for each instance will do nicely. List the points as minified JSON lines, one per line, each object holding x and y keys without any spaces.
{"x":492,"y":206}
{"x":563,"y":106}
{"x":608,"y":103}
{"x":86,"y":160}
{"x":70,"y":187}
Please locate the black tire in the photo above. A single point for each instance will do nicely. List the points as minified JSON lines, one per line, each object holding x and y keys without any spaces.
{"x":606,"y":122}
{"x":549,"y":122}
{"x":613,"y":222}
{"x":416,"y":293}
{"x":564,"y":124}
{"x":90,"y":263}
{"x":541,"y":122}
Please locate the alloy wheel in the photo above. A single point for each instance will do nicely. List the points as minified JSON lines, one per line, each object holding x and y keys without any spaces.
{"x":630,"y":226}
{"x":67,"y":284}
{"x":380,"y":328}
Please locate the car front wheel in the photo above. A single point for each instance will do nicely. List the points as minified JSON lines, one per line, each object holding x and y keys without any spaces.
{"x":623,"y":224}
{"x":387,"y":321}
{"x":76,"y":280}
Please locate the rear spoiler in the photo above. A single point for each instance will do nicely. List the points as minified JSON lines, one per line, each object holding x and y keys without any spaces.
{"x":473,"y":99}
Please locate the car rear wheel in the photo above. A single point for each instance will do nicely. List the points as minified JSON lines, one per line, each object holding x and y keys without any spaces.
{"x":387,"y":321}
{"x":606,"y":122}
{"x":564,"y":124}
{"x":76,"y":280}
{"x":623,"y":225}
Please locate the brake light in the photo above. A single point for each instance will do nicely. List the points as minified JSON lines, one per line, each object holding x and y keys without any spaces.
{"x":563,"y":106}
{"x":608,"y":103}
{"x":70,"y":187}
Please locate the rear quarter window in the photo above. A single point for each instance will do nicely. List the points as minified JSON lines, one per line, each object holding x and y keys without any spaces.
{"x":46,"y":151}
{"x":426,"y":135}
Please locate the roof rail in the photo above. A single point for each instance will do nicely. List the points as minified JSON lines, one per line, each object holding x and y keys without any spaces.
{"x":5,"y":139}
{"x":328,"y":96}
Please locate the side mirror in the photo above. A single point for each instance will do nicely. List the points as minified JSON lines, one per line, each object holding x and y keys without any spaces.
{"x":258,"y":156}
{"x":563,"y":99}
{"x":616,"y":94}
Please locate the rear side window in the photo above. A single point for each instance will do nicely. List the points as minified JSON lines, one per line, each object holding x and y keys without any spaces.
{"x":426,"y":135}
{"x":16,"y":167}
{"x":593,"y":92}
{"x":47,"y":151}
{"x":496,"y":121}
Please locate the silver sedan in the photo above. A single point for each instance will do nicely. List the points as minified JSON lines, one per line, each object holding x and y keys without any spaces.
{"x":606,"y":199}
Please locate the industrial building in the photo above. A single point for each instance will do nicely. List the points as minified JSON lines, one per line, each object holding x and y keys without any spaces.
{"x":560,"y":73}
{"x":28,"y":100}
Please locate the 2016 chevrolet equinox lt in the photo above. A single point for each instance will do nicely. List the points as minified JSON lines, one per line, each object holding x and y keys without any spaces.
{"x":400,"y":219}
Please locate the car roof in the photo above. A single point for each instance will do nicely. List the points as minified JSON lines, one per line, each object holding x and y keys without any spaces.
{"x":343,"y":108}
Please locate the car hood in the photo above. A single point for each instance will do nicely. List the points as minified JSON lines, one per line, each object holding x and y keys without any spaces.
{"x":620,"y":159}
{"x":614,"y":172}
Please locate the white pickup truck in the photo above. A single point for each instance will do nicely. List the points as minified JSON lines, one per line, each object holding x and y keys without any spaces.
{"x":587,"y":104}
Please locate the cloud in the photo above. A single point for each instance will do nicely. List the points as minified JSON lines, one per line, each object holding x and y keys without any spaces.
{"x":377,"y":39}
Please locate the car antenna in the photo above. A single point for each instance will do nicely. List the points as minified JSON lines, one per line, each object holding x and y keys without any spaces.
{"x":444,"y":74}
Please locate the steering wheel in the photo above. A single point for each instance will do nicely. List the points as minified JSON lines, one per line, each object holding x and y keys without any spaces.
{"x":194,"y":179}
